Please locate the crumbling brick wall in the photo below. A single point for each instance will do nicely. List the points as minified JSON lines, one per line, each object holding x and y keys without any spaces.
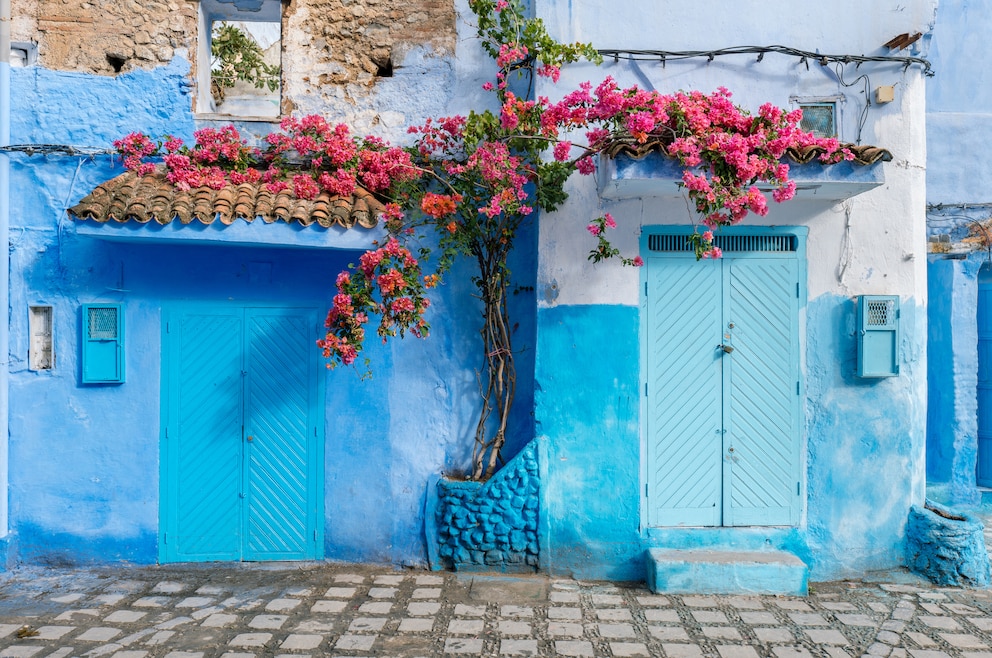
{"x":347,"y":44}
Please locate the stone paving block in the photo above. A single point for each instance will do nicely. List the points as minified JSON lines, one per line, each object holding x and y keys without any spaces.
{"x":928,"y":653}
{"x":382,"y":592}
{"x":573,"y":648}
{"x":352,"y":578}
{"x":791,"y":652}
{"x":202,"y":613}
{"x":62,"y":652}
{"x":962,"y":609}
{"x":555,"y":612}
{"x":429,"y":580}
{"x":211,"y":590}
{"x":124,"y":616}
{"x":267,"y":622}
{"x":169,"y":587}
{"x":774,"y":635}
{"x":466,"y":626}
{"x":894,"y":625}
{"x":709,"y":617}
{"x":653,"y":601}
{"x":321,"y":607}
{"x":426,"y":593}
{"x":515,"y":628}
{"x":152,"y":602}
{"x":879,"y":607}
{"x":518,"y":647}
{"x":945,"y":623}
{"x":878,"y":650}
{"x":679,"y":650}
{"x":516,"y":611}
{"x":388,"y":580}
{"x":67,"y":598}
{"x":159,"y":638}
{"x":564,"y":629}
{"x":837,"y":652}
{"x":250,"y":639}
{"x":99,"y":634}
{"x":745,"y":602}
{"x":620,"y":631}
{"x":826,"y":636}
{"x":839,"y":606}
{"x":124,"y":654}
{"x":699,"y":601}
{"x":736,"y":651}
{"x":340,"y":592}
{"x":564,"y":597}
{"x":615,"y":614}
{"x":754,"y":618}
{"x":623,"y":649}
{"x":318,"y":626}
{"x":856,"y":620}
{"x":981,"y":623}
{"x":52,"y":632}
{"x":195,"y":602}
{"x":722,"y":632}
{"x":463,"y":645}
{"x":976,"y":654}
{"x":462,"y":610}
{"x":808,"y":619}
{"x":367,"y":625}
{"x":70,"y":615}
{"x":963,"y":641}
{"x":669,"y":633}
{"x":888,"y":637}
{"x":184,"y":654}
{"x":416,"y":625}
{"x":376,"y":608}
{"x":794,"y":605}
{"x":933,"y":608}
{"x":237,"y":654}
{"x":607,"y":599}
{"x":922,"y":639}
{"x":663,"y":615}
{"x":282,"y":605}
{"x":298,"y":642}
{"x":20,"y":651}
{"x":420,"y":609}
{"x":933,"y":596}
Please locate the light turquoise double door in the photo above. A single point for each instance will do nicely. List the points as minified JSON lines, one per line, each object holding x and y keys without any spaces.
{"x":722,"y":387}
{"x":241,"y":435}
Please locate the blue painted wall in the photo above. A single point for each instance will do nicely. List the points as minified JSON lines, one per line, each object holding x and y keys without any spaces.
{"x":84,"y":462}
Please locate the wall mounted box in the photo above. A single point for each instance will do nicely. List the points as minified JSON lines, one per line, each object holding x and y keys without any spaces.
{"x":102,"y":344}
{"x":878,"y":336}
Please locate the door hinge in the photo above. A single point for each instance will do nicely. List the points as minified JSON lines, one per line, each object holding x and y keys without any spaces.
{"x":315,"y":534}
{"x":645,"y":489}
{"x":645,"y":389}
{"x":797,"y":488}
{"x":797,"y":387}
{"x":645,"y":288}
{"x":168,"y":329}
{"x":797,"y":290}
{"x":165,"y":538}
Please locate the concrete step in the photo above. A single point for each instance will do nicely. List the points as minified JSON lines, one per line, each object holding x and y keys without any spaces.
{"x":710,"y":571}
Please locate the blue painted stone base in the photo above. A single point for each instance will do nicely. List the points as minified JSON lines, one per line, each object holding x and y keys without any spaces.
{"x":947,"y":546}
{"x":8,"y":553}
{"x":725,"y":572}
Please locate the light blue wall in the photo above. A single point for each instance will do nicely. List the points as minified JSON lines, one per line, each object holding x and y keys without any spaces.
{"x":84,"y":461}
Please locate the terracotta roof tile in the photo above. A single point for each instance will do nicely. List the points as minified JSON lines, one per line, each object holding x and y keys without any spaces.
{"x":144,"y":199}
{"x":864,"y":155}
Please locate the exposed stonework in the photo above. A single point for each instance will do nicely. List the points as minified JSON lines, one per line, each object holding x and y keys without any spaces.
{"x":333,"y":50}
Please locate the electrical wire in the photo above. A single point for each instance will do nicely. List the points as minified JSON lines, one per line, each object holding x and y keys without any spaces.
{"x":57,"y":149}
{"x":804,"y":56}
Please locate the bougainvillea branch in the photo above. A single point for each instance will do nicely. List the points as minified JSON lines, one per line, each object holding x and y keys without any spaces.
{"x":467,"y":184}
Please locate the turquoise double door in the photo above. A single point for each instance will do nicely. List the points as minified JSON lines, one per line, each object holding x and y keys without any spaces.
{"x":242,"y":434}
{"x":722,"y":387}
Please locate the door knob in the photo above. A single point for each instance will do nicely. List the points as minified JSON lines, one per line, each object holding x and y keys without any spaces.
{"x":726,"y":348}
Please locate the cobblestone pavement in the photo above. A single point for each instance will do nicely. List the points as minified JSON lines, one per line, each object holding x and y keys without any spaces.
{"x":250,"y":611}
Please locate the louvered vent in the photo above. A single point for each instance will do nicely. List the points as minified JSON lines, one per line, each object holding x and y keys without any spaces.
{"x":727,"y":243}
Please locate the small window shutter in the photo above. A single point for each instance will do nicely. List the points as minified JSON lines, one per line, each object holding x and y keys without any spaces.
{"x":878,"y":336}
{"x":103,"y":344}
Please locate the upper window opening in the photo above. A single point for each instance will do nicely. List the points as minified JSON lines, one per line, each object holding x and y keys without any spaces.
{"x":819,"y":119}
{"x":243,"y":45}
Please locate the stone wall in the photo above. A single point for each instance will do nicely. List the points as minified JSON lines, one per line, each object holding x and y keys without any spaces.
{"x":493,"y":524}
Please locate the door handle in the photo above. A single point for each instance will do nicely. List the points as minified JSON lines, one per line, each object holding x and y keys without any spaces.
{"x":726,"y":348}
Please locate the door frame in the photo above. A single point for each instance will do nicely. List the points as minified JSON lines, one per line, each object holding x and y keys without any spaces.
{"x":801,"y":234}
{"x":169,"y":370}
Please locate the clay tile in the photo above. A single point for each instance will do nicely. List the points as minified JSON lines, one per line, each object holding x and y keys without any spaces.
{"x":244,"y":202}
{"x":282,"y":206}
{"x":223,"y":205}
{"x":182,"y":206}
{"x":341,"y":211}
{"x":203,"y":207}
{"x":300,"y":212}
{"x":320,"y":212}
{"x":263,"y":205}
{"x":160,"y":204}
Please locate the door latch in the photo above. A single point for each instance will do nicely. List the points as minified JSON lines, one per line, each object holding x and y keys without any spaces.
{"x":726,"y":348}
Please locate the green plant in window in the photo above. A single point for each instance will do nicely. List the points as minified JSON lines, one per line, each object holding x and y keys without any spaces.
{"x":238,"y":57}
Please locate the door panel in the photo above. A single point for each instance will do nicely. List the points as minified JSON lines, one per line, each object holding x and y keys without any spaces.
{"x":684,"y":444}
{"x":277,"y":418}
{"x":761,"y":395}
